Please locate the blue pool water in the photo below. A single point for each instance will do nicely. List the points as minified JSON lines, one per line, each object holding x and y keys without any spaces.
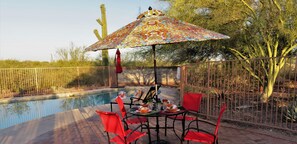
{"x":19,"y":112}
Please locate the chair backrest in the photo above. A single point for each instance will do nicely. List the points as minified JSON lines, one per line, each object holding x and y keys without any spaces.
{"x":192,"y":101}
{"x":121,"y":106}
{"x":151,"y":93}
{"x":223,"y":108}
{"x":111,"y":122}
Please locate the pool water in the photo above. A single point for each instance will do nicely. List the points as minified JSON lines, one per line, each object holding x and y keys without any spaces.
{"x":19,"y":112}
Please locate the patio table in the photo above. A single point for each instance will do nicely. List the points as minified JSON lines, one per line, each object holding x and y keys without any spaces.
{"x":157,"y":114}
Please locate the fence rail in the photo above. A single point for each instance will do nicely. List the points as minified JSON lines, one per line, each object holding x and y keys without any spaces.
{"x":229,"y":82}
{"x":145,"y":76}
{"x":37,"y":81}
{"x":18,"y":82}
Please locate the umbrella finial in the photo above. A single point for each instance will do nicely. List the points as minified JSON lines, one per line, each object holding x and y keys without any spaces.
{"x":150,"y":12}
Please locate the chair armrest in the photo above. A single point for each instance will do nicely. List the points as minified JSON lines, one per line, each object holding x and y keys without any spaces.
{"x":194,"y":128}
{"x":195,"y":113}
{"x":175,"y":115}
{"x":207,"y":122}
{"x":133,"y":97}
{"x":136,"y":129}
{"x":127,"y":116}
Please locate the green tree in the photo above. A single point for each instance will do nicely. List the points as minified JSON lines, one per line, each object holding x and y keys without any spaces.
{"x":72,"y":54}
{"x":144,"y":57}
{"x":258,"y":28}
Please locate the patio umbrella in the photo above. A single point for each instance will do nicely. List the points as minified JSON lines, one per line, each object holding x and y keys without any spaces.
{"x":118,"y":62}
{"x":154,"y":28}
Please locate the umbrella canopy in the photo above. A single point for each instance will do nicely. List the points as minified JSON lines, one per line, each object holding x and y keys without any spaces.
{"x":154,"y":28}
{"x":118,"y":62}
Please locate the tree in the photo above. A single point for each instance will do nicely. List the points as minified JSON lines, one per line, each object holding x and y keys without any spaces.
{"x":258,"y":29}
{"x":74,"y":54}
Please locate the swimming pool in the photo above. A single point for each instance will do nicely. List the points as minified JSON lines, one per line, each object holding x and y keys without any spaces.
{"x":19,"y":112}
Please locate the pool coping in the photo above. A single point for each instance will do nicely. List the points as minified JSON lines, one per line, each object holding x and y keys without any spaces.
{"x":53,"y":96}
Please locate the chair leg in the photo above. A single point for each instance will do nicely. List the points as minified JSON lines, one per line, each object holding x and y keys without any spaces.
{"x":108,"y":138}
{"x":179,"y":137}
{"x":197,"y":124}
{"x":165,"y":125}
{"x":183,"y":129}
{"x":131,"y":102}
{"x":126,"y":127}
{"x":149,"y":132}
{"x":111,"y":106}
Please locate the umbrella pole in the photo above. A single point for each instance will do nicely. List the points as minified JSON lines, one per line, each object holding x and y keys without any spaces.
{"x":155,"y":71}
{"x":115,"y":63}
{"x":155,"y":63}
{"x":156,"y":90}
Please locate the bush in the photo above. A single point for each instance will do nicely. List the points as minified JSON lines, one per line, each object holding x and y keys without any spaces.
{"x":291,"y":114}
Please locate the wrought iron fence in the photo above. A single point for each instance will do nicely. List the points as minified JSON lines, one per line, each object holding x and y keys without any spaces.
{"x":145,"y":76}
{"x":230,"y":82}
{"x":37,"y":81}
{"x":18,"y":82}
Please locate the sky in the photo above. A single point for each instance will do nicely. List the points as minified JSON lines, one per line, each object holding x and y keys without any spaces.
{"x":35,"y":29}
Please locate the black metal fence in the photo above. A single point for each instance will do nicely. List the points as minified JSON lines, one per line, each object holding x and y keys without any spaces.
{"x":15,"y":82}
{"x":242,"y":87}
{"x":18,"y":82}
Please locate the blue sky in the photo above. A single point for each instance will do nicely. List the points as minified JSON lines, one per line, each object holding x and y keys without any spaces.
{"x":35,"y":29}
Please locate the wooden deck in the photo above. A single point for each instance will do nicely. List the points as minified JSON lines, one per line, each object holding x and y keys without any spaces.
{"x":89,"y":130}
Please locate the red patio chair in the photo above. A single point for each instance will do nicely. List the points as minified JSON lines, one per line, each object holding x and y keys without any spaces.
{"x":128,"y":120}
{"x":191,"y":103}
{"x":112,"y":124}
{"x":202,"y":135}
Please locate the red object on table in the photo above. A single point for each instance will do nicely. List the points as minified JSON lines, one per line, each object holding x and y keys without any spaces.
{"x":118,"y":62}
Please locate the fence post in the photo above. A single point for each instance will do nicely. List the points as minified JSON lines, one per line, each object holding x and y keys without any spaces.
{"x":109,"y":76}
{"x":208,"y":89}
{"x":183,"y":78}
{"x":36,"y":81}
{"x":78,"y":82}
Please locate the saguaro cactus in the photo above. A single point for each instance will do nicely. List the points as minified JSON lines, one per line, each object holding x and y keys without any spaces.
{"x":103,"y":24}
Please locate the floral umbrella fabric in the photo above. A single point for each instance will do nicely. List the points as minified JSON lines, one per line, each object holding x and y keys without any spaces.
{"x":154,"y":28}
